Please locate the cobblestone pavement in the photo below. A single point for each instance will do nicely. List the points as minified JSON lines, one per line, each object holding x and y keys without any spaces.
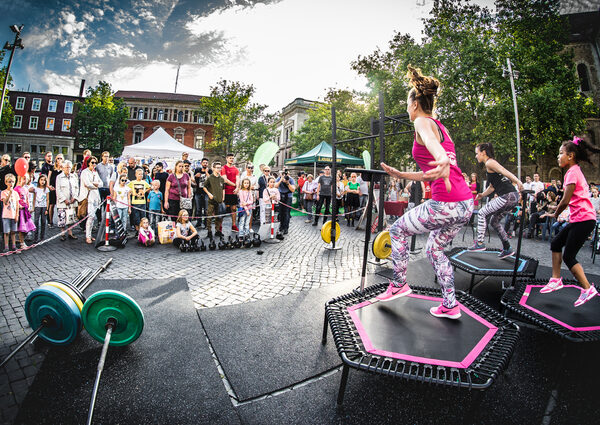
{"x":215,"y":278}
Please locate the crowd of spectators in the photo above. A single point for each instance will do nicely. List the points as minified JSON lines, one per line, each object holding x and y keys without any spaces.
{"x":59,"y":192}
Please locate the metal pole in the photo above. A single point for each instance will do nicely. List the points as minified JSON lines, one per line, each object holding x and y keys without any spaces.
{"x":524,"y":196}
{"x":24,"y":343}
{"x":12,"y":52}
{"x":109,"y":328}
{"x":334,"y":174}
{"x":380,"y":210}
{"x":514,"y":96}
{"x":90,"y":279}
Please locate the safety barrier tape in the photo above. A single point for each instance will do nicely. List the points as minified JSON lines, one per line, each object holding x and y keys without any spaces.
{"x":19,"y":250}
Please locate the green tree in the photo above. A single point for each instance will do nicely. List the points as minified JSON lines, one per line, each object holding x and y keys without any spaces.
{"x":100,"y":121}
{"x":466,"y":47}
{"x":255,"y":128}
{"x":352,"y":111}
{"x":7,"y":111}
{"x":229,"y":104}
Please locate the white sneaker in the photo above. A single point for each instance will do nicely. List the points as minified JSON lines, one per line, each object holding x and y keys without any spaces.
{"x":553,"y":284}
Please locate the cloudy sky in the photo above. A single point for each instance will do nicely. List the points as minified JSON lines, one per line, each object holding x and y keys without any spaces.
{"x":285,"y":48}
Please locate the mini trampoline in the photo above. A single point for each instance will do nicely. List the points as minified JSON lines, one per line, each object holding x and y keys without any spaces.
{"x":400,"y":338}
{"x":486,"y":263}
{"x":554,"y":312}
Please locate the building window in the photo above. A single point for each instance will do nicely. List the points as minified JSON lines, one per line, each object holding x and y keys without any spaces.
{"x":137,"y":137}
{"x":17,"y":148}
{"x":20,"y":104}
{"x":65,"y":150}
{"x":36,"y":104}
{"x":161,"y":115}
{"x":33,"y":149}
{"x":42,"y":149}
{"x":153,"y":114}
{"x":55,"y":150}
{"x":180,"y":116}
{"x":584,"y":77}
{"x":52,"y":104}
{"x":199,"y":139}
{"x":49,"y":124}
{"x":140,"y":114}
{"x":66,"y":126}
{"x":17,"y":121}
{"x":33,"y":123}
{"x":68,"y":107}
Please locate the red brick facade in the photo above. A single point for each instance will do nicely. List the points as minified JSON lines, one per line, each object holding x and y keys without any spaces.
{"x":175,"y":113}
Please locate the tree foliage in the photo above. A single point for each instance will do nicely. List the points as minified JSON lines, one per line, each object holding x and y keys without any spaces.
{"x":353,"y":111}
{"x":237,"y":120}
{"x":466,"y":47}
{"x":100,"y":121}
{"x":7,"y":112}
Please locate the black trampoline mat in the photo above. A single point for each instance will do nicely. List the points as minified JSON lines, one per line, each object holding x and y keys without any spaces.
{"x":404,"y":329}
{"x":558,"y":307}
{"x":487,"y":261}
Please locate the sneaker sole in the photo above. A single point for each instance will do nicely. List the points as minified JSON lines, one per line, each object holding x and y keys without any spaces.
{"x":476,"y":249}
{"x":445,"y":315}
{"x":580,"y":303}
{"x":393,"y":297}
{"x":506,"y":256}
{"x":547,"y":291}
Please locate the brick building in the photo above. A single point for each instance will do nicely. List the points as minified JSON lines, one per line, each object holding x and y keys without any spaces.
{"x":176,"y":113}
{"x":42,"y":122}
{"x":291,"y":119}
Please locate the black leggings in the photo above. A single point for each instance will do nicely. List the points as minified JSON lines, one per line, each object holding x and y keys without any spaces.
{"x":572,"y":237}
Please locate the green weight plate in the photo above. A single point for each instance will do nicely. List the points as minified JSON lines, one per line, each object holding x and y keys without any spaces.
{"x":52,"y":302}
{"x":104,"y":305}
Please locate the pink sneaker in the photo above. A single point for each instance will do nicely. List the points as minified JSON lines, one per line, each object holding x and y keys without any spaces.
{"x":553,"y":285}
{"x":394,"y":292}
{"x":441,"y":311}
{"x":586,"y":296}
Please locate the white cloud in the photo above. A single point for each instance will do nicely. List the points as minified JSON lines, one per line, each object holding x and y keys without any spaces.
{"x":88,"y":17}
{"x":61,"y":84}
{"x":115,"y":50}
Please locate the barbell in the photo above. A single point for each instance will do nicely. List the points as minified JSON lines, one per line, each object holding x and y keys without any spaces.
{"x":382,"y":245}
{"x":326,"y":231}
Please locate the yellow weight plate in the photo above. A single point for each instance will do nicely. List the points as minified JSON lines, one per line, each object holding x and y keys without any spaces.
{"x":326,"y":232}
{"x":67,"y":291}
{"x":382,"y":245}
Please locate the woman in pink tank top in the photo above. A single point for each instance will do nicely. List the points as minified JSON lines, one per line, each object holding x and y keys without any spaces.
{"x":582,"y":219}
{"x":442,"y":216}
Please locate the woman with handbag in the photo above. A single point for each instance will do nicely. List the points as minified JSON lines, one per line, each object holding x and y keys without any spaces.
{"x":178,"y":192}
{"x":67,"y":186}
{"x":309,"y":189}
{"x":88,"y":191}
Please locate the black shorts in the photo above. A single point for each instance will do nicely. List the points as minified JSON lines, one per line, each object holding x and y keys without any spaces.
{"x":231,"y":200}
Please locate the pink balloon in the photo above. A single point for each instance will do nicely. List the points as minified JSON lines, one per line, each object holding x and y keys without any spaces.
{"x":21,"y":166}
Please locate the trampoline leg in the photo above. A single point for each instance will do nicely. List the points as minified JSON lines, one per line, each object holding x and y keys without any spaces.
{"x":324,"y":338}
{"x":472,"y":284}
{"x":340,"y":398}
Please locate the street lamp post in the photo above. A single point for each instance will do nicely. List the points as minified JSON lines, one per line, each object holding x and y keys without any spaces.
{"x":509,"y":72}
{"x":17,"y":43}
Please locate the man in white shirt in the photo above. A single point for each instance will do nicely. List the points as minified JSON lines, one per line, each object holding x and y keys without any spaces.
{"x":537,"y":185}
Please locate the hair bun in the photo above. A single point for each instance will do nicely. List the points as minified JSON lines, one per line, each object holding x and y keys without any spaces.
{"x":424,"y":86}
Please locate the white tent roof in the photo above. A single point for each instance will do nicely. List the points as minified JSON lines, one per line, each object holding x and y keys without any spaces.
{"x":160,"y":145}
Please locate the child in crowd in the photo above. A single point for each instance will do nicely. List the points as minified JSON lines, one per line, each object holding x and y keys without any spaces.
{"x":40,"y":203}
{"x":271,"y":197}
{"x":123,"y":199}
{"x":10,"y":212}
{"x":582,"y":219}
{"x":25,"y":224}
{"x":155,"y":205}
{"x":184,"y":230}
{"x":146,"y":234}
{"x":138,"y":187}
{"x":215,"y":190}
{"x":561,"y":221}
{"x":246,"y":199}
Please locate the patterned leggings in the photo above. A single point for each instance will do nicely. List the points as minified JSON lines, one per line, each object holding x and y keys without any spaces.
{"x":443,"y":220}
{"x":497,"y":208}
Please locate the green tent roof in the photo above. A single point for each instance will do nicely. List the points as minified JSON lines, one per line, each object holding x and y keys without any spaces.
{"x":322,"y":153}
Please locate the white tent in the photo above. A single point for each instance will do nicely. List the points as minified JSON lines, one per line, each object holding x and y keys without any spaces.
{"x":161,"y":146}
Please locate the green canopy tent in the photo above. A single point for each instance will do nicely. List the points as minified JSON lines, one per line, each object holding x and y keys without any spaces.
{"x":322,"y":154}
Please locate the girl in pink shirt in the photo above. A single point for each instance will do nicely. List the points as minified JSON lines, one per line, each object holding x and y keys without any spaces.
{"x":582,"y":219}
{"x":449,"y":208}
